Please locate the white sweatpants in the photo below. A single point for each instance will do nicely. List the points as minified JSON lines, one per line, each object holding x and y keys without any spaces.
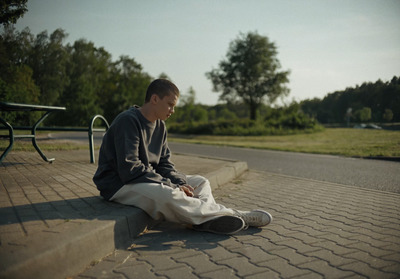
{"x":163,"y":202}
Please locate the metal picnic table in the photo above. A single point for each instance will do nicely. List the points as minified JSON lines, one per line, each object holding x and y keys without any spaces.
{"x":7,"y":106}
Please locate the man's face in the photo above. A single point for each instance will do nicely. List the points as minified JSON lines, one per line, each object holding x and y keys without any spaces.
{"x":165,"y":106}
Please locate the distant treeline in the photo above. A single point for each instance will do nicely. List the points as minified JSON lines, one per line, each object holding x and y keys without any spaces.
{"x":370,"y":102}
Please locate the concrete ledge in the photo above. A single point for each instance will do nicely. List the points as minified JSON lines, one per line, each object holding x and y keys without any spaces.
{"x":226,"y":174}
{"x":75,"y":245}
{"x":62,"y":254}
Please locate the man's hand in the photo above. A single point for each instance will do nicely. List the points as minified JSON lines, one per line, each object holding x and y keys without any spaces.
{"x":187,"y":189}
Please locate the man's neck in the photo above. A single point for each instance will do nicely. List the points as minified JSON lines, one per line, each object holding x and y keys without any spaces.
{"x":146,"y":112}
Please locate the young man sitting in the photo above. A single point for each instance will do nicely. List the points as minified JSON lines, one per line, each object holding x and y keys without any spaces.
{"x":135,"y":169}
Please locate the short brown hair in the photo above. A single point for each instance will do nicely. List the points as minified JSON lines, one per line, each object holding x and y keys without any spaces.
{"x":162,"y":88}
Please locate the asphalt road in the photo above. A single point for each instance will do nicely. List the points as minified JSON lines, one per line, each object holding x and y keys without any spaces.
{"x":366,"y":173}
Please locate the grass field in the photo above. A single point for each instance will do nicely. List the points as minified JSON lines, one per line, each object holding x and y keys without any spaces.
{"x":337,"y":141}
{"x":346,"y":142}
{"x":44,"y":144}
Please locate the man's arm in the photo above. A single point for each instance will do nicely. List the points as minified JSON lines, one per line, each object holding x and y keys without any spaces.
{"x":167,"y":169}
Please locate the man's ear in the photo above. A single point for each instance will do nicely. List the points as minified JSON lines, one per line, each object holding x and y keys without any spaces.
{"x":154,"y":99}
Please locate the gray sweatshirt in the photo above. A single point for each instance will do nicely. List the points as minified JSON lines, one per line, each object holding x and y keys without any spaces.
{"x":134,"y":150}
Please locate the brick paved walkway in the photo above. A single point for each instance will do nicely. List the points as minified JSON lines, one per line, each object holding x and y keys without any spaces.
{"x":36,"y":196}
{"x":320,"y":230}
{"x":52,"y":218}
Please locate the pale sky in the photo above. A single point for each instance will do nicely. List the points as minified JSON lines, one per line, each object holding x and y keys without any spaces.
{"x":327,"y":45}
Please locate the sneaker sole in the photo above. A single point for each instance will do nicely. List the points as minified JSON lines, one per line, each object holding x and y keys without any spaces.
{"x":222,"y":225}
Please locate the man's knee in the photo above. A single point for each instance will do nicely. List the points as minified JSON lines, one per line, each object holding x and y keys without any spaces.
{"x":197,"y":180}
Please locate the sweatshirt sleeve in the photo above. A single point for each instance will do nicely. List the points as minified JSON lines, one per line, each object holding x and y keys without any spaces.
{"x":167,"y":169}
{"x":130,"y":166}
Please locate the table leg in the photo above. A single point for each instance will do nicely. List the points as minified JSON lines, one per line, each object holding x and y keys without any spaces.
{"x":33,"y":132}
{"x":11,"y":137}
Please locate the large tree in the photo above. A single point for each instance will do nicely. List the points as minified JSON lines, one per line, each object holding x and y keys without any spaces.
{"x":87,"y":69}
{"x":49,"y":59}
{"x":11,"y":11}
{"x":250,"y":72}
{"x":124,"y":88}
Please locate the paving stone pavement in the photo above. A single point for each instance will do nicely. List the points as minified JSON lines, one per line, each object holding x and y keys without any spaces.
{"x":52,"y":217}
{"x":36,"y":196}
{"x":320,"y":230}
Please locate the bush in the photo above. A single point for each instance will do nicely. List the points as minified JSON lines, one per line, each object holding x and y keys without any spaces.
{"x":362,"y":115}
{"x":277,"y":121}
{"x":246,"y":127}
{"x":290,"y":118}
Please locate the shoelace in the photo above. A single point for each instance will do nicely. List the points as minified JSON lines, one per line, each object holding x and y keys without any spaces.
{"x":247,"y":219}
{"x":250,"y":219}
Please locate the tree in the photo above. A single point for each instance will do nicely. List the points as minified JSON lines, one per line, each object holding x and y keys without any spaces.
{"x":15,"y":46}
{"x":187,"y":111}
{"x":363,"y":115}
{"x":19,"y":87}
{"x":250,"y":72}
{"x":388,"y":115}
{"x":86,"y":70}
{"x":16,"y":81}
{"x":378,"y":96}
{"x":49,"y":60}
{"x":11,"y":11}
{"x":125,"y":87}
{"x":189,"y":99}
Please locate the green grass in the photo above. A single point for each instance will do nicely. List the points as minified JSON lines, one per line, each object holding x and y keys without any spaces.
{"x":335,"y":141}
{"x":346,"y":142}
{"x":43,"y":142}
{"x":49,"y":145}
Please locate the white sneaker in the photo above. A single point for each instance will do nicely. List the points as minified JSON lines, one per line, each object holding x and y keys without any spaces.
{"x":255,"y":218}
